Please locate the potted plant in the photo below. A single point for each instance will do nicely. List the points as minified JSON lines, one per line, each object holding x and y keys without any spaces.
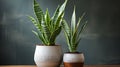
{"x":47,"y":54}
{"x":73,"y":58}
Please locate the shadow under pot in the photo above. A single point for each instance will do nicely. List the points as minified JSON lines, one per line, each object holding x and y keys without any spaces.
{"x":73,"y":59}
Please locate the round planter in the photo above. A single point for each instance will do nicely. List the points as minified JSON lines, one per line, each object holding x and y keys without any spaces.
{"x":73,"y":59}
{"x":48,"y":56}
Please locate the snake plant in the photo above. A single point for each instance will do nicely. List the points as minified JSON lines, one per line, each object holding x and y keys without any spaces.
{"x":48,"y":28}
{"x":72,"y":33}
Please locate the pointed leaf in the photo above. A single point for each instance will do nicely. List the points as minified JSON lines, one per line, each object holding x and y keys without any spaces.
{"x":74,"y":38}
{"x":75,"y":34}
{"x":78,"y":24}
{"x":79,"y":21}
{"x":66,"y":28}
{"x":33,"y":20}
{"x":59,"y":19}
{"x":39,"y":36}
{"x":55,"y":16}
{"x":46,"y":31}
{"x":47,"y":18}
{"x":73,"y":21}
{"x":38,"y":11}
{"x":62,"y":8}
{"x":77,"y":42}
{"x":55,"y":34}
{"x":81,"y":30}
{"x":37,"y":25}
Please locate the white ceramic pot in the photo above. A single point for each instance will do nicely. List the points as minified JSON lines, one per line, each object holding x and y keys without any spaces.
{"x":48,"y":56}
{"x":73,"y":59}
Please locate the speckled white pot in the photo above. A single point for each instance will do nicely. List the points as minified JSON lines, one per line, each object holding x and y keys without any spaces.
{"x":48,"y":56}
{"x":73,"y":59}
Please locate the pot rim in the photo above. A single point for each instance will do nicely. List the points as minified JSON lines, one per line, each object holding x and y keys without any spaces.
{"x":73,"y":53}
{"x":45,"y":45}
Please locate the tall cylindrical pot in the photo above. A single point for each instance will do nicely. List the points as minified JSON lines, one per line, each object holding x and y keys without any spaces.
{"x":48,"y":56}
{"x":73,"y":59}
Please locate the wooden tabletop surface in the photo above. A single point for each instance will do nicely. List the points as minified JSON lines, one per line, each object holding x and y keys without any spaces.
{"x":61,"y":66}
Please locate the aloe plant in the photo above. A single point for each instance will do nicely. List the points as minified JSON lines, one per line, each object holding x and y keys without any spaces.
{"x":72,"y":33}
{"x":48,"y":28}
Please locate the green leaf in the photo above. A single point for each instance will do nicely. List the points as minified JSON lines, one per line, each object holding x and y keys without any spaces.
{"x":78,"y":24}
{"x":81,"y":30}
{"x":46,"y":31}
{"x":76,"y":34}
{"x":55,"y":34}
{"x":37,"y":25}
{"x":47,"y":18}
{"x":62,"y":8}
{"x":67,"y":33}
{"x":79,"y":21}
{"x":55,"y":16}
{"x":59,"y":19}
{"x":74,"y":38}
{"x":73,"y":28}
{"x":35,"y":33}
{"x":73,"y":21}
{"x":77,"y":42}
{"x":33,"y":20}
{"x":38,"y":11}
{"x":58,"y":13}
{"x":66,"y":28}
{"x":39,"y":36}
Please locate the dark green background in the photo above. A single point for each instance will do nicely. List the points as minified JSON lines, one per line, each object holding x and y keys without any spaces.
{"x":100,"y":42}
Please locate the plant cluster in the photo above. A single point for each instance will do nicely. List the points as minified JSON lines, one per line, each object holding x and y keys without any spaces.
{"x":50,"y":27}
{"x":72,"y":33}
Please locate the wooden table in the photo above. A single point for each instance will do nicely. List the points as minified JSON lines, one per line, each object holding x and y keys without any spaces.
{"x":61,"y":66}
